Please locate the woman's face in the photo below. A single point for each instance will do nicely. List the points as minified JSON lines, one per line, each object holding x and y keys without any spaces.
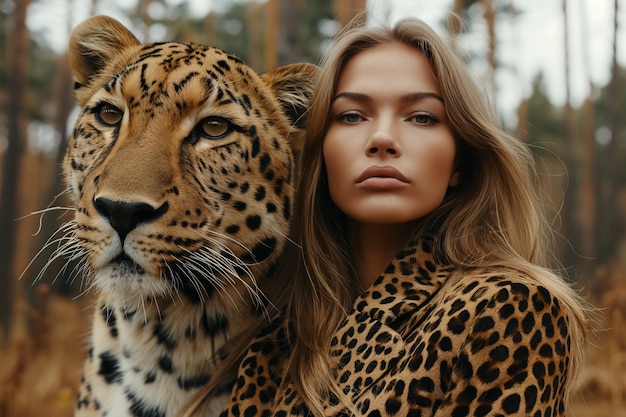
{"x":389,"y":150}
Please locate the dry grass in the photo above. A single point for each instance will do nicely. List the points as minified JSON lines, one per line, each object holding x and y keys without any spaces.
{"x":40,"y":367}
{"x":603,"y":390}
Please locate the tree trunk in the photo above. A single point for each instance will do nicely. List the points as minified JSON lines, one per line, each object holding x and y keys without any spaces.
{"x":55,"y":196}
{"x":522,"y":109}
{"x":18,"y":56}
{"x":588,"y":190}
{"x":282,"y":37}
{"x":254,"y":11}
{"x":209,"y":30}
{"x":289,"y":49}
{"x":613,"y":223}
{"x":271,"y":36}
{"x":588,"y":180}
{"x":94,"y":7}
{"x":568,"y":212}
{"x":142,"y":11}
{"x":490,"y":17}
{"x":346,"y":10}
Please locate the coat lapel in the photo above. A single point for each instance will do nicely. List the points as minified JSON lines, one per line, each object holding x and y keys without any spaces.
{"x":369,"y":342}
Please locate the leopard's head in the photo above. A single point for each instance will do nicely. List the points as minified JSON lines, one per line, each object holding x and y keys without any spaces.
{"x":181,"y":163}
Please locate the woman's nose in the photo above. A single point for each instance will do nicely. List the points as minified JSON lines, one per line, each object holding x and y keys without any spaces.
{"x":382,"y":142}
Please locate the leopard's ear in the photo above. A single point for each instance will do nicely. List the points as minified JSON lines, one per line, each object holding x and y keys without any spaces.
{"x":293,"y":86}
{"x":93,"y":45}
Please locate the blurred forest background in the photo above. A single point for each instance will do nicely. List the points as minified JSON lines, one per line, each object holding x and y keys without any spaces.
{"x":580,"y":149}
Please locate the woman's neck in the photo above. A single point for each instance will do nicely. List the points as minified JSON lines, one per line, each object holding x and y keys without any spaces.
{"x":374,"y":246}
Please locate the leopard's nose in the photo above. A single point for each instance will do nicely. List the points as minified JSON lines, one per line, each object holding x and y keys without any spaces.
{"x":125,"y":216}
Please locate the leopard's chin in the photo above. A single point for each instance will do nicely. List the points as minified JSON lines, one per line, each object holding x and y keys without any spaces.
{"x":125,"y":265}
{"x":125,"y":280}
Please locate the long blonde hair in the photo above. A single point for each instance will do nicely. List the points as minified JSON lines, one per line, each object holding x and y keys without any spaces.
{"x":492,"y":218}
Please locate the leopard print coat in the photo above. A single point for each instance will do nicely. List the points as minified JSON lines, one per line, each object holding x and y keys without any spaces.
{"x":426,"y":341}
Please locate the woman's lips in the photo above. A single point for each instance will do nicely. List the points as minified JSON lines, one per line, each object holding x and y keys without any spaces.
{"x":382,"y":172}
{"x":382,"y":178}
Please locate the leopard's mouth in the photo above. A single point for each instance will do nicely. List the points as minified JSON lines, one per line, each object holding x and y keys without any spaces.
{"x":129,"y":281}
{"x":124,"y":265}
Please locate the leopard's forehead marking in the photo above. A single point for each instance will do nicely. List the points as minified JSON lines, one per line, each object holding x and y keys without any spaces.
{"x":160,"y":73}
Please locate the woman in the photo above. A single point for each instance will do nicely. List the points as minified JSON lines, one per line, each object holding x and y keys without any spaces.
{"x":420,"y":288}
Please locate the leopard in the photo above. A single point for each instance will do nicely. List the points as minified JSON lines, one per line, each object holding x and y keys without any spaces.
{"x":181,"y":170}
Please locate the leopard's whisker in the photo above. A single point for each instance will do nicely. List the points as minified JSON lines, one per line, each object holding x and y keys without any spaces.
{"x":201,"y":292}
{"x":212,"y":253}
{"x":66,"y":231}
{"x":192,"y":279}
{"x":177,"y":281}
{"x":206,"y":260}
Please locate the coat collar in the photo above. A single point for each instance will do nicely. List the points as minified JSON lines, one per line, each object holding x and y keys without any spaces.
{"x":371,"y":333}
{"x":409,"y":281}
{"x":368,"y":345}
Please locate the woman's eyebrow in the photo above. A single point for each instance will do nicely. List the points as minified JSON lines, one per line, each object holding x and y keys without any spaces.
{"x":352,"y":96}
{"x":405,"y":98}
{"x":420,"y":95}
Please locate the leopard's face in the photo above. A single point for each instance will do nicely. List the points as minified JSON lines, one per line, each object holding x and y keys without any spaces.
{"x":180,"y":164}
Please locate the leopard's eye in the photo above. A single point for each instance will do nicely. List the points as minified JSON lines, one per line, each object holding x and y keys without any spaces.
{"x":109,"y":115}
{"x":214,"y":127}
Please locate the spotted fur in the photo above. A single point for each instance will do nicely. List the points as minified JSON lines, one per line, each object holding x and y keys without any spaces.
{"x":181,"y":167}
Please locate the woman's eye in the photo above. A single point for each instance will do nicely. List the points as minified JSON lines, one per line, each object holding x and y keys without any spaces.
{"x":109,"y":115}
{"x":350,"y":117}
{"x":215,"y":127}
{"x":424,"y":119}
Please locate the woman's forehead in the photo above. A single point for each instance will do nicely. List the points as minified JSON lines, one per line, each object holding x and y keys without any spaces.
{"x":387,"y":67}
